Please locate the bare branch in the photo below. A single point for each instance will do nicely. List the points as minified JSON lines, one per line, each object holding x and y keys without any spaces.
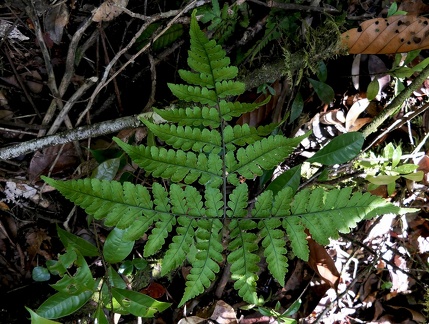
{"x":83,"y":132}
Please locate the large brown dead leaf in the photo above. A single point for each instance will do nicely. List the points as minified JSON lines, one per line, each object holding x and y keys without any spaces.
{"x":321,"y":262}
{"x":42,"y":161}
{"x":395,"y":34}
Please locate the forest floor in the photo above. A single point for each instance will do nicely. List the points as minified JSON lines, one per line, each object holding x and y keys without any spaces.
{"x":382,"y":265}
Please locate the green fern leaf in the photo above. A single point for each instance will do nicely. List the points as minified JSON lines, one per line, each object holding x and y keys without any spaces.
{"x":281,"y":204}
{"x":166,"y":220}
{"x":180,"y":246}
{"x":187,"y":138}
{"x":262,"y":155}
{"x":229,"y":88}
{"x":157,"y":239}
{"x":241,"y":135}
{"x":213,"y":202}
{"x":120,"y":205}
{"x":297,"y":236}
{"x":238,"y":201}
{"x":176,"y":165}
{"x":244,"y":263}
{"x":206,"y":263}
{"x":194,"y":94}
{"x":229,"y":110}
{"x":195,"y":116}
{"x":205,"y":56}
{"x":208,"y":79}
{"x":273,"y":240}
{"x":324,"y":221}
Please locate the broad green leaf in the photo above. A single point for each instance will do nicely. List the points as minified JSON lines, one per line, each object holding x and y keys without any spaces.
{"x":138,"y":304}
{"x":322,"y":71}
{"x":126,"y":268}
{"x":65,"y":261}
{"x":79,"y":282}
{"x":40,"y":274}
{"x":36,"y":319}
{"x":396,"y":156}
{"x":297,"y":107}
{"x":140,"y":263}
{"x":62,"y":304}
{"x":417,"y":176}
{"x":402,"y":72}
{"x":100,"y":316}
{"x":372,"y":90}
{"x":115,"y":279}
{"x":405,"y":168}
{"x":289,"y":178}
{"x":339,"y":150}
{"x":71,"y":240}
{"x":107,"y":170}
{"x":293,"y":308}
{"x":419,"y":67}
{"x":392,"y":9}
{"x":411,"y":56}
{"x":116,"y":249}
{"x":381,"y":179}
{"x":323,"y":91}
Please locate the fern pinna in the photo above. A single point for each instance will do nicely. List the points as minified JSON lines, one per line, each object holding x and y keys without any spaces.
{"x":207,"y":157}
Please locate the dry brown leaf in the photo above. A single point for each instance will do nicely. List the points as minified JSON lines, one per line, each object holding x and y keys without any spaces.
{"x":258,"y":116}
{"x":321,"y":262}
{"x":109,"y":10}
{"x":395,"y":34}
{"x":42,"y":161}
{"x":56,"y":18}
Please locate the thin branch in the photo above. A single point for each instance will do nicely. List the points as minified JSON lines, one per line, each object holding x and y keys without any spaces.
{"x":399,"y":123}
{"x":77,"y":134}
{"x":70,"y":103}
{"x":293,"y":6}
{"x":148,"y":20}
{"x":396,"y":103}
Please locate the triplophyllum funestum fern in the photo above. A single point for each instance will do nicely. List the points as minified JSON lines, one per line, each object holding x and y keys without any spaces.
{"x":205,"y":156}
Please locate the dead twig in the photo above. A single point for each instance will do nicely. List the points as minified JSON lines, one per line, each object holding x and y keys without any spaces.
{"x":148,"y":20}
{"x":77,"y":134}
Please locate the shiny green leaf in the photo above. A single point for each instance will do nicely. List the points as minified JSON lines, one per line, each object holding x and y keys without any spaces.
{"x":116,"y":249}
{"x":341,"y":149}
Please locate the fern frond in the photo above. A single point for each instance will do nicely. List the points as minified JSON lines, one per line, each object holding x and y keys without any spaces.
{"x":225,"y":89}
{"x":229,"y":110}
{"x":244,"y":263}
{"x":325,"y":213}
{"x":187,"y":138}
{"x":195,"y":116}
{"x":207,"y":57}
{"x":262,"y":155}
{"x":126,"y":206}
{"x":213,"y":202}
{"x":206,"y":263}
{"x":194,"y":94}
{"x":241,"y":135}
{"x":297,"y":236}
{"x":157,"y":238}
{"x":176,"y":165}
{"x":238,"y":200}
{"x":180,"y":246}
{"x":273,"y":239}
